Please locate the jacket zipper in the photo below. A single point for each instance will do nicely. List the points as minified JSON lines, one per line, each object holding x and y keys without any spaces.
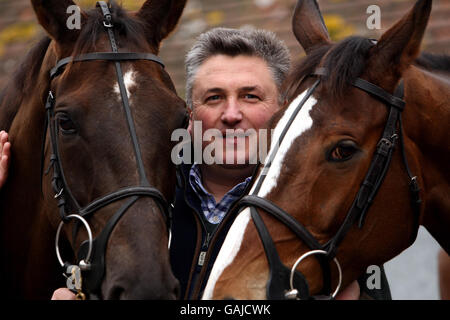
{"x":203,"y":250}
{"x":207,"y":254}
{"x":200,"y":254}
{"x":201,"y":270}
{"x":205,"y":245}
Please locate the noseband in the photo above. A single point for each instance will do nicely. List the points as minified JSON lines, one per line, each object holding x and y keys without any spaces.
{"x":91,"y":255}
{"x":285,"y":283}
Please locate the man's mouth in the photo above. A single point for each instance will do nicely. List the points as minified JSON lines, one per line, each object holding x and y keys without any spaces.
{"x":235,"y":133}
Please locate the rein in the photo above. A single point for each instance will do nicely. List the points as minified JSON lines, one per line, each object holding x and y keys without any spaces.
{"x":285,"y":283}
{"x":89,"y":273}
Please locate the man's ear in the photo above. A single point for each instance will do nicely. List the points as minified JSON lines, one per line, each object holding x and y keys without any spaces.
{"x":398,"y":47}
{"x":53,"y":16}
{"x":189,"y":128}
{"x":308,"y":25}
{"x":160,"y":17}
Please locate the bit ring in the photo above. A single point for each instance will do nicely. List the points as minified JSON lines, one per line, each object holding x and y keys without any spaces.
{"x":307,"y":254}
{"x":88,"y":229}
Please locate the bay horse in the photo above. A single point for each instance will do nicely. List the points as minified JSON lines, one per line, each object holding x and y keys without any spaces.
{"x":90,"y":113}
{"x":332,"y":197}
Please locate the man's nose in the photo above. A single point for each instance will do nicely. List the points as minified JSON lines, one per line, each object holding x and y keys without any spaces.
{"x":232,"y":114}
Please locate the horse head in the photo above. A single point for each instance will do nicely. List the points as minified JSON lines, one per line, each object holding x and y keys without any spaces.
{"x":345,"y":183}
{"x":110,"y":110}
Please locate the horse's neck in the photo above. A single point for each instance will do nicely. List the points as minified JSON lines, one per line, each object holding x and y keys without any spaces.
{"x":22,"y":114}
{"x":426,"y":120}
{"x":427,"y":112}
{"x":23,"y":224}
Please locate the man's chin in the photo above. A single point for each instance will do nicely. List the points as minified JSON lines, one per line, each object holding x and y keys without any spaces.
{"x":235,"y":166}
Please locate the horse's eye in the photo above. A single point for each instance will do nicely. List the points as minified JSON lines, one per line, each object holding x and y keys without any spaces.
{"x":343,"y":151}
{"x":66,"y":124}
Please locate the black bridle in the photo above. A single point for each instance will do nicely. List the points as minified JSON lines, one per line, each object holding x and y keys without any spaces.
{"x":93,"y":269}
{"x":283,"y":280}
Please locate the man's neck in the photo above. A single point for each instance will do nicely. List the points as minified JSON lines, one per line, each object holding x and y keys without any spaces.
{"x":218,"y":180}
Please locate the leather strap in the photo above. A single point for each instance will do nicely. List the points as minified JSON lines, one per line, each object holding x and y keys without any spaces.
{"x":107,"y":56}
{"x":94,"y":277}
{"x":271,"y":208}
{"x":374,"y":177}
{"x":298,"y":229}
{"x":278,"y":273}
{"x":380,"y":93}
{"x":121,"y":194}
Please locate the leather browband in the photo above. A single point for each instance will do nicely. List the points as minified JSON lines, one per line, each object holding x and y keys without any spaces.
{"x":380,"y":93}
{"x":108,"y":56}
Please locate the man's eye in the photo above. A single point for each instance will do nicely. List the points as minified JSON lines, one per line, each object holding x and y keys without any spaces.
{"x":250,"y":96}
{"x":213,"y":98}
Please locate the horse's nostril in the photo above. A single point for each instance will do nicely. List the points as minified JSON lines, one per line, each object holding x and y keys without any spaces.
{"x":176,"y":291}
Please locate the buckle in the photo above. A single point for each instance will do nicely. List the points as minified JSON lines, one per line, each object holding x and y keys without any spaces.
{"x":383,"y":146}
{"x":107,"y":22}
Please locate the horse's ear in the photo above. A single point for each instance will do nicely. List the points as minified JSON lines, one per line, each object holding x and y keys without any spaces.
{"x":308,"y":25}
{"x":53,"y":16}
{"x":399,"y":46}
{"x":161,"y":17}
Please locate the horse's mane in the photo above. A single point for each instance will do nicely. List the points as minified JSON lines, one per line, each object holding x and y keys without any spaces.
{"x":434,"y":62}
{"x":347,"y":60}
{"x":23,"y":81}
{"x":92,"y":28}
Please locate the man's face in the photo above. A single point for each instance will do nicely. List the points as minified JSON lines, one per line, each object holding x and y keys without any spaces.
{"x":238,"y":94}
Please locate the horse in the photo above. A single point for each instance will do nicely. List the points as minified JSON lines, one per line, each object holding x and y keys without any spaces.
{"x":358,"y":160}
{"x":90,"y":112}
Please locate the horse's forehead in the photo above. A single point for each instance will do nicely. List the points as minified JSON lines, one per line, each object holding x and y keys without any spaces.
{"x":290,"y":127}
{"x":129,"y":81}
{"x":89,"y":82}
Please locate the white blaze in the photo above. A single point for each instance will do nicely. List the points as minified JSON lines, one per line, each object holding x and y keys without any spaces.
{"x":233,"y":240}
{"x":129,"y":79}
{"x":301,"y":123}
{"x":229,"y":250}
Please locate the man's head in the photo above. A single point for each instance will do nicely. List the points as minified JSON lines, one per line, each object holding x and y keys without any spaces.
{"x":233,"y":84}
{"x":235,"y":42}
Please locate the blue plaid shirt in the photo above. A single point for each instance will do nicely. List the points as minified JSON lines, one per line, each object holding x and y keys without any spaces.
{"x":214,"y":212}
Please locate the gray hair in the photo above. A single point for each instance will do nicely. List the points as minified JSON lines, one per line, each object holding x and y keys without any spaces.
{"x":234,"y":42}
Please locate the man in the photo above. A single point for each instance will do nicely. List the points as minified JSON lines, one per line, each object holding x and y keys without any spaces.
{"x":233,"y":83}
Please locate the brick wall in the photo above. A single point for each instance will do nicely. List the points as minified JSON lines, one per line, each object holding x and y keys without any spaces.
{"x":19,"y":29}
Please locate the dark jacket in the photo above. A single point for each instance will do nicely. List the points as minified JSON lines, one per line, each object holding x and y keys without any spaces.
{"x":195,"y":241}
{"x":196,"y":244}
